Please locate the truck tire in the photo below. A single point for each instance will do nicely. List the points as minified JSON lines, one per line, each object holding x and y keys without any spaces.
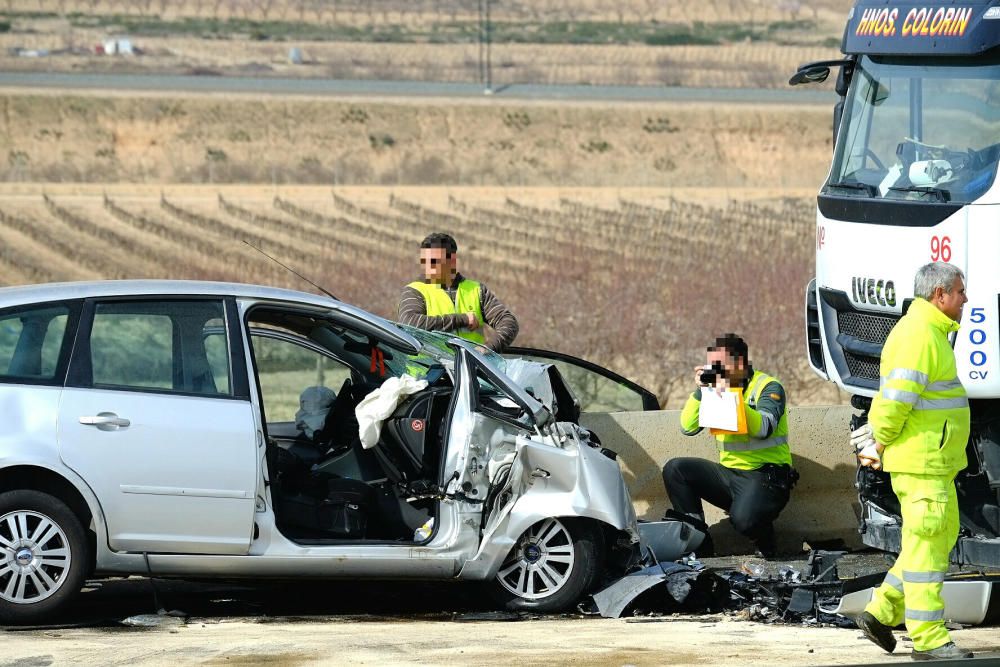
{"x":554,"y":563}
{"x":43,"y":556}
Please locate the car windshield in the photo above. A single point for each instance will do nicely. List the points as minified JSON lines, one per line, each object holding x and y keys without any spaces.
{"x":435,"y":351}
{"x":919,"y":129}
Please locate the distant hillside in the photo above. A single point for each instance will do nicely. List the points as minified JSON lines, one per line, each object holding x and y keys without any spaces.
{"x":644,"y":42}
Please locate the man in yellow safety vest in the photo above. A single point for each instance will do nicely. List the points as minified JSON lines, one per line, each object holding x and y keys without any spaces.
{"x":754,"y":476}
{"x":447,"y":301}
{"x":917,"y":431}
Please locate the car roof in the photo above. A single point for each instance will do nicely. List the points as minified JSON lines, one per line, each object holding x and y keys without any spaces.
{"x":23,"y":294}
{"x":48,"y":292}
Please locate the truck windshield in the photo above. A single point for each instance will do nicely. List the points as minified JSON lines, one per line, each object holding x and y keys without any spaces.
{"x":919,"y":129}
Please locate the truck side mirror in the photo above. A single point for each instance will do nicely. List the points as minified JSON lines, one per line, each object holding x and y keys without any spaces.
{"x":810,"y":74}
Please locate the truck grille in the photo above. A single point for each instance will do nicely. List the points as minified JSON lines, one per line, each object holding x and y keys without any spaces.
{"x":870,"y":328}
{"x":866,"y":326}
{"x":861,"y":366}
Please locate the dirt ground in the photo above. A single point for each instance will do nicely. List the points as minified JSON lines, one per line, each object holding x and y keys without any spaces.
{"x":143,"y":138}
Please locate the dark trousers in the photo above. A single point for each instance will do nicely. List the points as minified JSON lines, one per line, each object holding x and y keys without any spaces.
{"x":753,"y":498}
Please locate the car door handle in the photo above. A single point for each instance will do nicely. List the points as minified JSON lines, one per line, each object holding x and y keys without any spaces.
{"x":105,"y":421}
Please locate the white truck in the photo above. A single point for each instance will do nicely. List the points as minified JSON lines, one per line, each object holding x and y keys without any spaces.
{"x":913,"y":180}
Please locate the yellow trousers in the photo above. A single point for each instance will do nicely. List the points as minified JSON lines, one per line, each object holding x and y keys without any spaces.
{"x":911,"y":591}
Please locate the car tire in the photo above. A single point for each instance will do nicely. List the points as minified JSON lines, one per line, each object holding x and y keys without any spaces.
{"x":554,"y":563}
{"x":43,"y":556}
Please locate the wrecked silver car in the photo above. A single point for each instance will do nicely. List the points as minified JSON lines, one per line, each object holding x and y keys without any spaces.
{"x":200,"y":430}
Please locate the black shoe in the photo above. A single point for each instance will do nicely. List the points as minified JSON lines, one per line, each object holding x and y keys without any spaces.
{"x":876,"y":632}
{"x":947,"y":652}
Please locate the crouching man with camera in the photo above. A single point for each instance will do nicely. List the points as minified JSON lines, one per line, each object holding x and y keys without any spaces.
{"x":754,"y":476}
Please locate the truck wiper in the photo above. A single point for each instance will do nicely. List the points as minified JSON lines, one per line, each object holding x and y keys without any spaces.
{"x":942,"y":195}
{"x":869,"y":189}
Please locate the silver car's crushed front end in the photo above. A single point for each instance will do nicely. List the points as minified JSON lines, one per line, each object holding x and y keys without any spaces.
{"x":531,"y":477}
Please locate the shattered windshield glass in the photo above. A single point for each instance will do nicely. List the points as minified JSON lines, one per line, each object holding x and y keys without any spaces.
{"x":920,"y":129}
{"x":435,"y":350}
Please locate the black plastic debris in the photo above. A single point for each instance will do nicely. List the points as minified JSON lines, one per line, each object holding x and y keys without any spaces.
{"x":789,"y":596}
{"x":665,"y":587}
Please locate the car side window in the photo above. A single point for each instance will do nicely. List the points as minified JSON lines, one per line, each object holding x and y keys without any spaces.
{"x":171,"y":346}
{"x":285,"y":369}
{"x":31,"y":342}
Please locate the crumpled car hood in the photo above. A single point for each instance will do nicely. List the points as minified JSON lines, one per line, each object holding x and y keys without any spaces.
{"x":544,"y":382}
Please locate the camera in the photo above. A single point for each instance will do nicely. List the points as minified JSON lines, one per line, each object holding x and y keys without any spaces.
{"x":712,"y":373}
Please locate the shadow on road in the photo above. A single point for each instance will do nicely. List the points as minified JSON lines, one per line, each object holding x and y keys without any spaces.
{"x":108,"y":602}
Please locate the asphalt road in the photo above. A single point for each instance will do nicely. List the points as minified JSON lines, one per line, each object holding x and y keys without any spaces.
{"x":417,"y":623}
{"x":416,"y":89}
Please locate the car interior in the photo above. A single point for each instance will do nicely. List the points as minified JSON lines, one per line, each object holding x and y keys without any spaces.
{"x":325,"y":486}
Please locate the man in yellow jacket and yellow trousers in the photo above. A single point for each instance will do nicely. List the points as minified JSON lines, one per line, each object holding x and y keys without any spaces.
{"x":917,"y":430}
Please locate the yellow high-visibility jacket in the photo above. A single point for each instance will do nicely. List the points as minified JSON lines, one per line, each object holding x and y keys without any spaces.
{"x":765,"y":440}
{"x":921,"y":412}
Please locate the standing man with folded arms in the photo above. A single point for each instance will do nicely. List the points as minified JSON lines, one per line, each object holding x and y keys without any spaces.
{"x":447,"y":301}
{"x":917,"y":430}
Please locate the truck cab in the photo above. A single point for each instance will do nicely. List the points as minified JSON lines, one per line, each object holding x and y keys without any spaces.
{"x":913,"y":180}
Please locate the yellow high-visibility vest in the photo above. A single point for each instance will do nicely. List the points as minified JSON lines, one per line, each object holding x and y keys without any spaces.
{"x":466,"y":301}
{"x":747,"y":451}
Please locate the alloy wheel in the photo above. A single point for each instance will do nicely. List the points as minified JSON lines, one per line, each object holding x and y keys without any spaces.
{"x":541,"y":563}
{"x":34,"y":557}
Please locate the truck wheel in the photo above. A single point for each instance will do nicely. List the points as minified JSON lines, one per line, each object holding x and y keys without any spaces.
{"x":552,"y":565}
{"x":43,"y":555}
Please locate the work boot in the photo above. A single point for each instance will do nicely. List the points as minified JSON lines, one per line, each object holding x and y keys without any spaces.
{"x":877,"y":632}
{"x":947,"y":652}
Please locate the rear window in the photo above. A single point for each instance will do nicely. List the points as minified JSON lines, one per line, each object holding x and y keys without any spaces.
{"x":170,"y":346}
{"x":32,"y":343}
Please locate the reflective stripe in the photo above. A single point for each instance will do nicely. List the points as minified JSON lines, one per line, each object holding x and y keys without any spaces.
{"x":754,"y":444}
{"x":923,"y":577}
{"x":900,"y":395}
{"x":893,"y":581}
{"x":942,"y":403}
{"x":767,"y":424}
{"x":944,"y":385}
{"x":907,"y":374}
{"x":921,"y":615}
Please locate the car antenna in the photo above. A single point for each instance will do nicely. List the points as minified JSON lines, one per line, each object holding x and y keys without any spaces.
{"x":291,"y":270}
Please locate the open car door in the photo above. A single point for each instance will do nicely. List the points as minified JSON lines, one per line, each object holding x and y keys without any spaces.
{"x":597,"y":388}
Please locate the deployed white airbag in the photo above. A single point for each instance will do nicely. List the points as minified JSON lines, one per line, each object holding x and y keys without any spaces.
{"x":379,"y":404}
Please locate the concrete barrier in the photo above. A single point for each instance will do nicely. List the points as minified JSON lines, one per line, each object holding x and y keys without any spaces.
{"x":824,"y":504}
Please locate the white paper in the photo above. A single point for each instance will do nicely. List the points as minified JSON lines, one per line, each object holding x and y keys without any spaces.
{"x":718,"y":410}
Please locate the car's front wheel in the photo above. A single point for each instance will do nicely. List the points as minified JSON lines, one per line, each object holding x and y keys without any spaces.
{"x":43,"y":555}
{"x":552,"y":565}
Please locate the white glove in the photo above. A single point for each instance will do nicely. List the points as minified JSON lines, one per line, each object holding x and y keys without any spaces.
{"x":861,"y":437}
{"x":869,"y":452}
